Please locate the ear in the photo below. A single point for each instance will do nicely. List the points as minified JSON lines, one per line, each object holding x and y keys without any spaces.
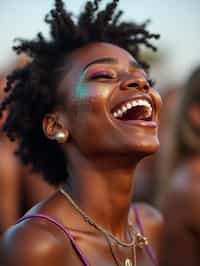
{"x":53,"y":124}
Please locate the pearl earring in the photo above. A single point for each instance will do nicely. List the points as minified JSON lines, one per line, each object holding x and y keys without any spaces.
{"x":61,"y":137}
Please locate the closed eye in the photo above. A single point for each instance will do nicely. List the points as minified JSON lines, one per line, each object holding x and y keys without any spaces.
{"x":102,"y":75}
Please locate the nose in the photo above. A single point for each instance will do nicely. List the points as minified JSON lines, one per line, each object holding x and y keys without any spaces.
{"x":139,"y":83}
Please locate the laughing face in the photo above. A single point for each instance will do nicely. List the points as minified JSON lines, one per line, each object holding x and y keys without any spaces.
{"x":110,"y":107}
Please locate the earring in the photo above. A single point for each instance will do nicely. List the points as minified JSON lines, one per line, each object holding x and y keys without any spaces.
{"x":61,"y":137}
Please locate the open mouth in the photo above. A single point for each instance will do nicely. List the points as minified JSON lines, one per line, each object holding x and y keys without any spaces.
{"x":136,"y":109}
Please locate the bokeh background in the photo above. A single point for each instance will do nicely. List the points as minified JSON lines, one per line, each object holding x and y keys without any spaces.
{"x":177,"y":22}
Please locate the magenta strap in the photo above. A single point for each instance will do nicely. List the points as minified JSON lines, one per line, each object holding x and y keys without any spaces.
{"x":64,"y":229}
{"x":148,"y":249}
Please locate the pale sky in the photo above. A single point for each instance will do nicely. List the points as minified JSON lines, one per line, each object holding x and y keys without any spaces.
{"x":177,"y":22}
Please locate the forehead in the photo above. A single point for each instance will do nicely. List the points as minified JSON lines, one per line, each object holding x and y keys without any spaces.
{"x":91,"y":52}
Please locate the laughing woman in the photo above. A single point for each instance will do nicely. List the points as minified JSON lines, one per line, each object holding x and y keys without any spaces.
{"x":85,"y":114}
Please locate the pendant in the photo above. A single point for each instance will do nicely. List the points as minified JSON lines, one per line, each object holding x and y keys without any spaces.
{"x":128,"y":262}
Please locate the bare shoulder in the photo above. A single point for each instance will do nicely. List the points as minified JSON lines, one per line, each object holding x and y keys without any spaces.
{"x":33,"y":243}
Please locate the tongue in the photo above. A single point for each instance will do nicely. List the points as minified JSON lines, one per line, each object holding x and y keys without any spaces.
{"x":135,"y":113}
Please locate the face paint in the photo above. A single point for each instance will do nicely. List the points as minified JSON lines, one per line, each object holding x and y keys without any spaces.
{"x":83,"y":90}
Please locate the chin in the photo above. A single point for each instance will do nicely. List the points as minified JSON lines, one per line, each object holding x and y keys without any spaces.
{"x":146,"y":148}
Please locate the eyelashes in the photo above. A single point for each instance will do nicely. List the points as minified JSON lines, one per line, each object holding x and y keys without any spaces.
{"x":110,"y":75}
{"x":102,"y":75}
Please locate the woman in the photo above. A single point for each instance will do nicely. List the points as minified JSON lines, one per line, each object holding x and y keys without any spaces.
{"x":182,"y":193}
{"x":86,"y":114}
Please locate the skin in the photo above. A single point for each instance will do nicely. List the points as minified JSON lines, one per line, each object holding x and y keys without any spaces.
{"x":102,"y":156}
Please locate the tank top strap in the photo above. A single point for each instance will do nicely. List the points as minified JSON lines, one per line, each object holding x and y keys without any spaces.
{"x":63,"y":229}
{"x":148,"y":248}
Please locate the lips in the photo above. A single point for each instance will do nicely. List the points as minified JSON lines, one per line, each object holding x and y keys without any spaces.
{"x":137,"y":108}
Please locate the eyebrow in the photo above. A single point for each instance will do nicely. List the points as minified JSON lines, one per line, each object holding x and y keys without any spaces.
{"x":110,"y":60}
{"x":107,"y":60}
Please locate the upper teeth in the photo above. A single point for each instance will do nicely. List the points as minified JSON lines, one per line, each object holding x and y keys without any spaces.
{"x":128,"y":105}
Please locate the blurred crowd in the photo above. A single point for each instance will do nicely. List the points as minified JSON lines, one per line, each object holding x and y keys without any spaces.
{"x":20,"y":187}
{"x":169,"y":180}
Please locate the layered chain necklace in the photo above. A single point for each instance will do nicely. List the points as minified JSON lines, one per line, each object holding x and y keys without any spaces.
{"x":137,"y":239}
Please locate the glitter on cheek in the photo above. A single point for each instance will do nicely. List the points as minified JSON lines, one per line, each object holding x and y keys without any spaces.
{"x":83,"y":90}
{"x":101,"y":90}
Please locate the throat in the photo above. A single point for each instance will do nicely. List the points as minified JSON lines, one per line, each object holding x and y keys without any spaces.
{"x":103,"y":193}
{"x":106,"y":206}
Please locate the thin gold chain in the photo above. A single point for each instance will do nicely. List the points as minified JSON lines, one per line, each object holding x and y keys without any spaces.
{"x":117,"y":260}
{"x":89,"y":220}
{"x":137,"y":239}
{"x":110,"y":244}
{"x":134,"y":255}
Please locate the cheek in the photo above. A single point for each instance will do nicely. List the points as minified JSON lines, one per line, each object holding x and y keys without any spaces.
{"x":91,"y":90}
{"x":98,"y":91}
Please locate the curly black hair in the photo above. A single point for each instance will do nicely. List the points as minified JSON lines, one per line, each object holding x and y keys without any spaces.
{"x":32,"y":89}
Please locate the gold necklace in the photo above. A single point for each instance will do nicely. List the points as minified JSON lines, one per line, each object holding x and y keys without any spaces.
{"x":89,"y":220}
{"x":128,"y":261}
{"x":137,"y":239}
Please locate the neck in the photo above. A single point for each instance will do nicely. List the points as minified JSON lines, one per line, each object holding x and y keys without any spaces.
{"x":102,"y":188}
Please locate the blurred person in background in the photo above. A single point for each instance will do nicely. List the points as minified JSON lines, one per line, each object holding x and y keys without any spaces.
{"x":165,"y":156}
{"x":10,"y":173}
{"x":181,"y":200}
{"x":20,"y":189}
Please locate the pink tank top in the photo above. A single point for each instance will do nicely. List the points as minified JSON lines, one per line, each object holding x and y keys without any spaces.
{"x":77,"y":249}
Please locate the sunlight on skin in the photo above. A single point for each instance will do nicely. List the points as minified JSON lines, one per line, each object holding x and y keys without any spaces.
{"x":83,"y":90}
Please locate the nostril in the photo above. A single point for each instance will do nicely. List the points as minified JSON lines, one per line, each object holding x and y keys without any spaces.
{"x":139,"y":84}
{"x":146,"y":88}
{"x":133,"y":85}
